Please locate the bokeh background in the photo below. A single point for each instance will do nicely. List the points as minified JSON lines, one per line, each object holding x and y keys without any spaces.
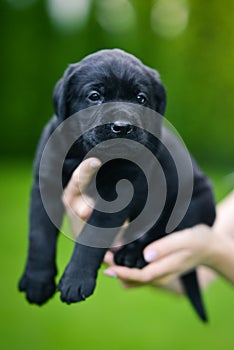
{"x":191,"y":43}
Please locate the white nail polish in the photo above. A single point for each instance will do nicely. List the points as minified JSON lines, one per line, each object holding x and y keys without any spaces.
{"x":94,"y":164}
{"x":110,"y":273}
{"x":150,"y":255}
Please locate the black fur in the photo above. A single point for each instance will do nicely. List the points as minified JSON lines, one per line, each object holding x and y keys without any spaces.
{"x":118,"y":77}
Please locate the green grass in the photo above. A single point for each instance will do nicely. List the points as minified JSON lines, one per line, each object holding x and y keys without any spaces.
{"x":112,"y":318}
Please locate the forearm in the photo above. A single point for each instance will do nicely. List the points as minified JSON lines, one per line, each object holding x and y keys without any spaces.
{"x":222,"y":260}
{"x":224,"y":223}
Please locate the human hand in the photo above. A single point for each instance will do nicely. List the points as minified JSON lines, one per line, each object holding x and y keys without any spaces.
{"x":175,"y":254}
{"x":129,"y":280}
{"x":78,"y":205}
{"x":169,"y":258}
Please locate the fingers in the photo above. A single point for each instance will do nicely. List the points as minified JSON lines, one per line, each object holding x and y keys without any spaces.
{"x":82,"y":207}
{"x":157,"y":274}
{"x":109,"y":258}
{"x":193,"y":237}
{"x":134,"y":278}
{"x":81,"y":177}
{"x":85,"y":172}
{"x":171,"y":265}
{"x":73,"y":198}
{"x":130,"y":276}
{"x":167,"y":245}
{"x":168,"y":259}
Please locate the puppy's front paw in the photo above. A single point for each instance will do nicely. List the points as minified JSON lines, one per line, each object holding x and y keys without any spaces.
{"x":37,"y":292}
{"x":76,"y":287}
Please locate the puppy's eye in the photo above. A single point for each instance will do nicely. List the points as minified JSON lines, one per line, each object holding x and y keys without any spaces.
{"x":94,"y":96}
{"x":141,"y":99}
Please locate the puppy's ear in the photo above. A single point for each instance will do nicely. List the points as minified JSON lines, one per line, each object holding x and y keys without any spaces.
{"x":58,"y":98}
{"x":161,"y":98}
{"x":159,"y":91}
{"x":61,"y":92}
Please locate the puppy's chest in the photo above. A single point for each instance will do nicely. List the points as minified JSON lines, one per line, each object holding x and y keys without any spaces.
{"x":114,"y":180}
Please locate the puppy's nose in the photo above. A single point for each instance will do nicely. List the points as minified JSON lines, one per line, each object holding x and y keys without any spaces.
{"x":121,"y":128}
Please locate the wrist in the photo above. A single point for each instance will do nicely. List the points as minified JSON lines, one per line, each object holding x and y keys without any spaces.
{"x":221,"y":257}
{"x":216,"y":251}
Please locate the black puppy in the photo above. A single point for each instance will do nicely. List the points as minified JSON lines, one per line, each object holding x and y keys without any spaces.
{"x":116,"y":77}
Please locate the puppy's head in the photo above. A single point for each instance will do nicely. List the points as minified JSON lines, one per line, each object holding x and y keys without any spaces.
{"x":110,"y":76}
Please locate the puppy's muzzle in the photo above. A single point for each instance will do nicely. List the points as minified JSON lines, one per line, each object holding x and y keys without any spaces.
{"x":120,"y":128}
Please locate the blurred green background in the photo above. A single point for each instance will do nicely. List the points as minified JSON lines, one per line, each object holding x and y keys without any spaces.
{"x":191,"y":43}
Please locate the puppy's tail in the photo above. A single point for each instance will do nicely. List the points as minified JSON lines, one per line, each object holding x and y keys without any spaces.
{"x":192,"y":290}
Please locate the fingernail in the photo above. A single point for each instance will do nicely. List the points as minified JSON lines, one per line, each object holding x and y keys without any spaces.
{"x":110,"y":273}
{"x":94,"y":164}
{"x":150,"y":255}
